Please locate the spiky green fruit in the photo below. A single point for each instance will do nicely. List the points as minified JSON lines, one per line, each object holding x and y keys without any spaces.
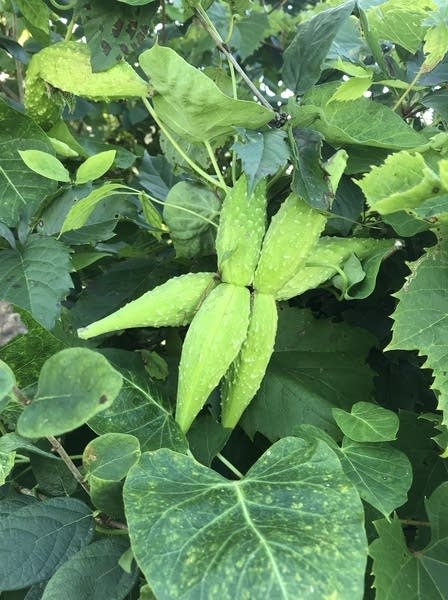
{"x":66,"y":66}
{"x":292,"y":234}
{"x":174,"y":303}
{"x":246,"y":373}
{"x":242,"y":225}
{"x":213,"y":341}
{"x":327,"y":256}
{"x":42,"y":103}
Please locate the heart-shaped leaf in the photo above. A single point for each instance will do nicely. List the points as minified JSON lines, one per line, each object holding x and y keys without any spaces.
{"x":294,"y":517}
{"x":74,"y":385}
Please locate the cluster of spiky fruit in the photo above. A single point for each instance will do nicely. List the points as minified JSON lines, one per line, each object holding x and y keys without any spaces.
{"x":233,"y":316}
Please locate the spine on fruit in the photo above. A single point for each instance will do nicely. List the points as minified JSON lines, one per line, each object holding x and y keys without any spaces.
{"x":290,"y":238}
{"x":242,"y":225}
{"x":213,"y":341}
{"x":246,"y":373}
{"x":327,"y":257}
{"x":174,"y":303}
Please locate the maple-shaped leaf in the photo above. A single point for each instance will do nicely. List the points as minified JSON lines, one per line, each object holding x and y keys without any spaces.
{"x":422,"y":574}
{"x":421,"y":317}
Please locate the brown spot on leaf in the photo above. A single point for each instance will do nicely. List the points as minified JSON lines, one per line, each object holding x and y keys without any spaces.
{"x":117,"y":28}
{"x":106,"y":47}
{"x":131,"y":28}
{"x":103,"y":398}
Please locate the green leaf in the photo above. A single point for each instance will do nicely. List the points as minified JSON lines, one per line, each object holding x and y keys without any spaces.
{"x":352,"y":89}
{"x":37,"y":539}
{"x":107,"y":496}
{"x":421,"y":317}
{"x":7,"y":382}
{"x":26,"y":354}
{"x":35,"y":12}
{"x":316,"y":365}
{"x":6,"y":466}
{"x":249,"y":32}
{"x":399,"y":22}
{"x":362,"y":121}
{"x":95,"y":166}
{"x":62,"y":149}
{"x":182,"y":525}
{"x":190,"y":211}
{"x":114,"y":30}
{"x":261,"y":153}
{"x":80,"y":212}
{"x":93,"y":573}
{"x":382,"y":475}
{"x":11,"y":441}
{"x":136,"y":410}
{"x":74,"y":385}
{"x":303,"y":59}
{"x":428,"y":468}
{"x":402,"y":182}
{"x":310,"y":180}
{"x":156,"y":175}
{"x":45,"y":164}
{"x":367,"y":422}
{"x":22,"y":191}
{"x":52,"y":476}
{"x":36,"y":277}
{"x":110,"y":456}
{"x":191,"y":104}
{"x":370,"y":266}
{"x":437,"y":100}
{"x":206,"y":437}
{"x":421,"y":574}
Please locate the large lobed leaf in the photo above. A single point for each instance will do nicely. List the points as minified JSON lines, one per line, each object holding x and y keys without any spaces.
{"x":421,"y":317}
{"x":292,"y":528}
{"x":36,"y":539}
{"x":304,"y":57}
{"x":21,"y":190}
{"x":421,"y":575}
{"x":36,"y":277}
{"x":93,"y":573}
{"x":137,"y":411}
{"x":360,"y":121}
{"x":26,"y":354}
{"x":317,"y":365}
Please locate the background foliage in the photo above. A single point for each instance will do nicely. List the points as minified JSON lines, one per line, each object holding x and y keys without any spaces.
{"x":112,"y":171}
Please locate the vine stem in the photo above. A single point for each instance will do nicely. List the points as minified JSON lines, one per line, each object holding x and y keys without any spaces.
{"x":215,"y":164}
{"x":70,"y":27}
{"x":59,"y":448}
{"x":56,"y":444}
{"x":17,"y":64}
{"x":164,"y":203}
{"x":229,"y":465}
{"x":408,"y":89}
{"x":222,"y":47}
{"x":178,"y":149}
{"x":416,"y":523}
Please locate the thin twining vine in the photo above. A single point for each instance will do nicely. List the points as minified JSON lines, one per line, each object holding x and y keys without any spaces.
{"x":222,"y":47}
{"x":219,"y":182}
